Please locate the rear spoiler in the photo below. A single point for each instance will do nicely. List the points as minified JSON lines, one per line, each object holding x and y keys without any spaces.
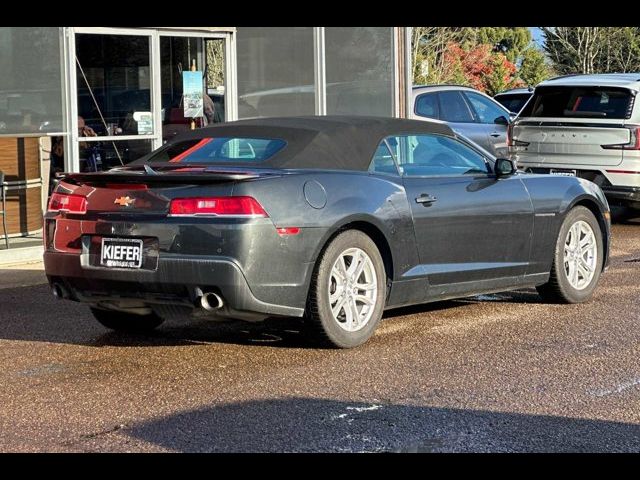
{"x":144,"y":177}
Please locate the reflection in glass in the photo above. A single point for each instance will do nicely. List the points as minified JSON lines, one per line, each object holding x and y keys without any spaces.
{"x":100,"y":156}
{"x":30,"y":80}
{"x":178,"y":54}
{"x":359,"y":70}
{"x":114,"y":84}
{"x":275,"y":72}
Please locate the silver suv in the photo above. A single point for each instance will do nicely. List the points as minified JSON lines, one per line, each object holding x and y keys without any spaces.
{"x":467,"y":111}
{"x":586,"y":126}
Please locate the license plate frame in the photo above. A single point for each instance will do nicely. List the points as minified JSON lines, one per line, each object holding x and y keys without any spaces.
{"x":560,"y":172}
{"x":122,"y":258}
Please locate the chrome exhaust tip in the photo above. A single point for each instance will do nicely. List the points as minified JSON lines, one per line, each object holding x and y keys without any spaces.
{"x":211,"y":301}
{"x":58,"y":291}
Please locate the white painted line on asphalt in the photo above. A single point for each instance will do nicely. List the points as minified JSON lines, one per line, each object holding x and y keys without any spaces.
{"x":365,"y":409}
{"x":619,"y":389}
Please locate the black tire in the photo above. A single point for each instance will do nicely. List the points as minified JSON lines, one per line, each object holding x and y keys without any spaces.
{"x":558,"y":289}
{"x":323,"y":328}
{"x":126,"y":322}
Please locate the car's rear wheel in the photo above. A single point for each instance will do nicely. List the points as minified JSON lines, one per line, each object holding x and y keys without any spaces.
{"x":126,"y":322}
{"x":347,"y":294}
{"x":577,"y":261}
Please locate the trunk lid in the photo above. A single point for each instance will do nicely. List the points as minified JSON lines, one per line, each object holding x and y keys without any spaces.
{"x":558,"y":141}
{"x":141,"y":190}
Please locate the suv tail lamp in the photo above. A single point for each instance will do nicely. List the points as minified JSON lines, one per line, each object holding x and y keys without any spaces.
{"x":512,"y":142}
{"x":69,"y":203}
{"x":633,"y":144}
{"x":216,"y":206}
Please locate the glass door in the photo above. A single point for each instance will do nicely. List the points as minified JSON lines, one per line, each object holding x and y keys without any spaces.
{"x":201,"y":100}
{"x":128,"y":91}
{"x":114,"y":95}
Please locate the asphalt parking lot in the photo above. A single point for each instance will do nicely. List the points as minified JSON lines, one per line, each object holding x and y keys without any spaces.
{"x":498,"y":372}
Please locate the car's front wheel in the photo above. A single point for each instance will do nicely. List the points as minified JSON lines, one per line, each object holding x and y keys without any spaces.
{"x":347,"y":293}
{"x":126,"y":322}
{"x":577,"y":261}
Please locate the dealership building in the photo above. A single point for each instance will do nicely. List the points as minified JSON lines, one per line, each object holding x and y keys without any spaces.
{"x":90,"y":98}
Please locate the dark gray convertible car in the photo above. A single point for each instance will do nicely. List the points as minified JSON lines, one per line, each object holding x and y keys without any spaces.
{"x":330,"y":219}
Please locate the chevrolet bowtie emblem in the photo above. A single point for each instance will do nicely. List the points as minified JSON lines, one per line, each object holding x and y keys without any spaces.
{"x":124,"y":201}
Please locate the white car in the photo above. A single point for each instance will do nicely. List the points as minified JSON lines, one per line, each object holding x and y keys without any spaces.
{"x":586,"y":126}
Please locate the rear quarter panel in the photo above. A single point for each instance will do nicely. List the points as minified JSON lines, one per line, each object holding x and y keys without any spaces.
{"x":348,"y":197}
{"x":552,"y":198}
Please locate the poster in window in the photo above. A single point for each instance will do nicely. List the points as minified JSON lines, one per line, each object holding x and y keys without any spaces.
{"x":192,"y":94}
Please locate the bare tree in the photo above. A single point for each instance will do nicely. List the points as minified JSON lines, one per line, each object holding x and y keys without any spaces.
{"x":575,"y":49}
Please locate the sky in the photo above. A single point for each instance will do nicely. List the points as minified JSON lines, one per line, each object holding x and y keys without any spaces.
{"x":536,"y":33}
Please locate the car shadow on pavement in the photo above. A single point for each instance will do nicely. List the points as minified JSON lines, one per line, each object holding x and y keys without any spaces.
{"x":33,"y":314}
{"x":318,"y":425}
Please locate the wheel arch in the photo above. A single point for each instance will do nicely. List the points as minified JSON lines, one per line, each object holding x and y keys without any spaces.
{"x":370,"y":227}
{"x":594,"y":207}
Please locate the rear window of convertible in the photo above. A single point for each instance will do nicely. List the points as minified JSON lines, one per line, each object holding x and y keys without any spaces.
{"x":219,"y":150}
{"x":582,"y":102}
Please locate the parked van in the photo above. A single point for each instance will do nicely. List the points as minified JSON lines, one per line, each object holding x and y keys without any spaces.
{"x":586,"y":126}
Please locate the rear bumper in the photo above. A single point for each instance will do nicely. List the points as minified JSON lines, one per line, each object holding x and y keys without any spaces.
{"x":174,"y":282}
{"x":623,"y":195}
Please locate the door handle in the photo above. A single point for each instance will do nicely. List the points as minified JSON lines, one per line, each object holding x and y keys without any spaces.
{"x":426,"y":199}
{"x":494,"y":135}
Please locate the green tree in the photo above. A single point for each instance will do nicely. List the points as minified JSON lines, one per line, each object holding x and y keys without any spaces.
{"x":428,"y":49}
{"x":533,"y":68}
{"x":500,"y":75}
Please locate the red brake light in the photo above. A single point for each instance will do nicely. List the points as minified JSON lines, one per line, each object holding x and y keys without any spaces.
{"x":62,"y":202}
{"x":217,"y":206}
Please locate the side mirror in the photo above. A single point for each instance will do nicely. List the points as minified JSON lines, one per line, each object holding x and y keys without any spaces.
{"x":504,"y":167}
{"x":501,"y":120}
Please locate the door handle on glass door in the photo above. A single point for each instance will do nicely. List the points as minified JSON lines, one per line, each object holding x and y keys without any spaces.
{"x":426,"y":199}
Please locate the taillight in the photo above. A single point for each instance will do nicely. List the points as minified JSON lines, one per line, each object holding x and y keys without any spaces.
{"x":633,"y":144}
{"x":63,"y":202}
{"x":217,"y":206}
{"x":513,"y":142}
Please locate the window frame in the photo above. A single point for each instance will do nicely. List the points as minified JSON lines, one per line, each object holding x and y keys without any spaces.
{"x":489,"y":161}
{"x":474,"y":118}
{"x":417,"y":101}
{"x":370,"y":170}
{"x":476,"y":115}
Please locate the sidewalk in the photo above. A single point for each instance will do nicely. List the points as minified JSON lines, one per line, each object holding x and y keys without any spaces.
{"x":22,"y":275}
{"x":21,"y":250}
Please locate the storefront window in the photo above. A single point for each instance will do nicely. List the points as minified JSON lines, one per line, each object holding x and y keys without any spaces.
{"x":114,"y":84}
{"x":31,"y":94}
{"x":275,"y":72}
{"x":359,"y":70}
{"x":114,"y":154}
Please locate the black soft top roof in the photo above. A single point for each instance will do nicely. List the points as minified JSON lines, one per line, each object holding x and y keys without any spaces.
{"x":324,"y":142}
